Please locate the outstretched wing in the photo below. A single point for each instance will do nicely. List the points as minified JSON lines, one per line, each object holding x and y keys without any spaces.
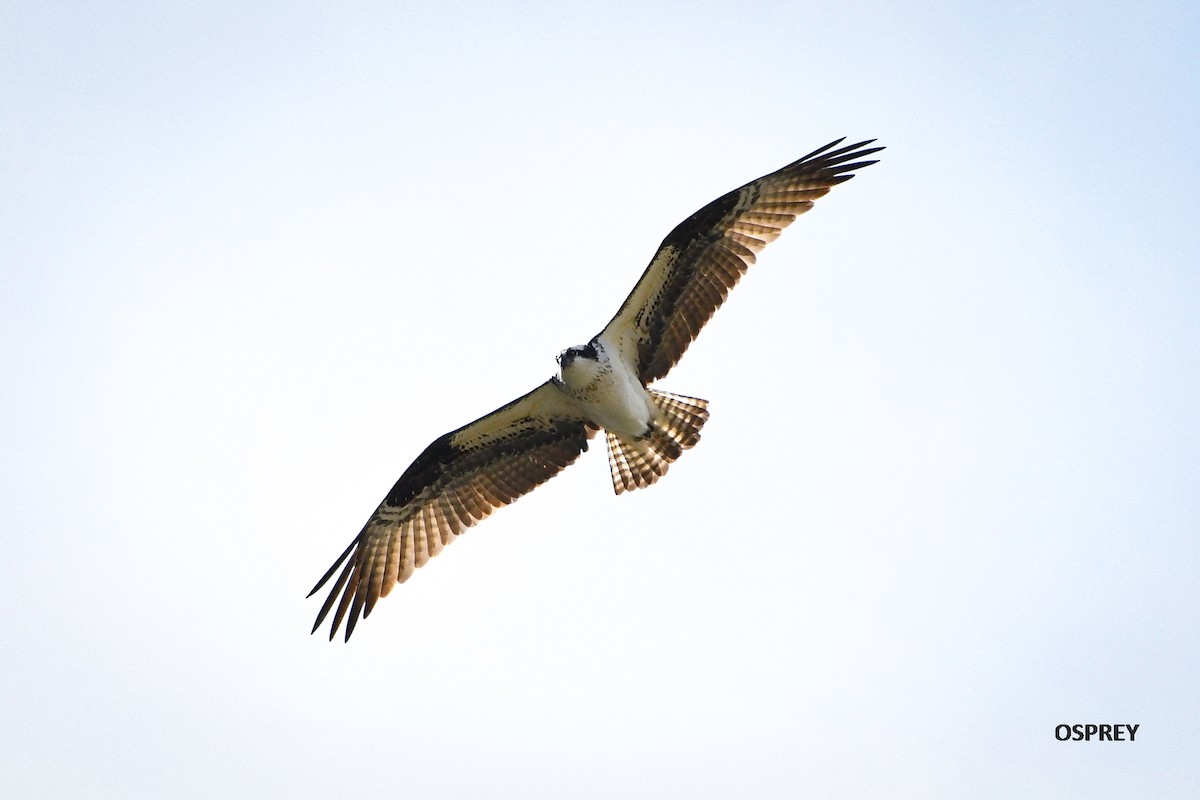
{"x":703,"y":258}
{"x":460,"y":478}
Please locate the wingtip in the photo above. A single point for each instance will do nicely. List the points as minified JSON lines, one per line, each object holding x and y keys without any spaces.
{"x":856,"y":150}
{"x":836,"y":151}
{"x":317,"y":624}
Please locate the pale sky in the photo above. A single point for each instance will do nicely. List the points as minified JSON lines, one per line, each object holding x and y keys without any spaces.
{"x":255,"y":256}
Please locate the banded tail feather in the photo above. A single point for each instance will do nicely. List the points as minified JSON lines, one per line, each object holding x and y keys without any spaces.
{"x":637,"y":463}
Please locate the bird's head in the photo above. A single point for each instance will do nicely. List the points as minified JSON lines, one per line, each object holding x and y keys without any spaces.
{"x":579,"y":353}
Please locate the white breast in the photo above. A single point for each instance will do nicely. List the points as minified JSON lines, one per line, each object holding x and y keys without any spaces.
{"x":610,"y":392}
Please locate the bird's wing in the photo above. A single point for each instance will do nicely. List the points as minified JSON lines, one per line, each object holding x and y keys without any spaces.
{"x":460,"y":478}
{"x":703,"y":258}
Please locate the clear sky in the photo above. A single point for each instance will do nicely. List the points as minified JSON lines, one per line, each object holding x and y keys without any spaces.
{"x":255,"y":256}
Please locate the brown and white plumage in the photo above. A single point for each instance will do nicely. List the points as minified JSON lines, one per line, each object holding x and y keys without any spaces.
{"x":467,"y":474}
{"x":458,"y":480}
{"x":705,"y":255}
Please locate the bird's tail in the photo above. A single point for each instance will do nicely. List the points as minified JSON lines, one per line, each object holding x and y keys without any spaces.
{"x":637,"y":463}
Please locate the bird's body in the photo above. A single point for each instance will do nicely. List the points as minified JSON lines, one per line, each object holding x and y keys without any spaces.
{"x":607,"y":389}
{"x":466,"y":474}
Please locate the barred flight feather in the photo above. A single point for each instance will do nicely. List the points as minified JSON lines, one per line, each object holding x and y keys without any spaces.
{"x":459,"y":480}
{"x":714,"y":247}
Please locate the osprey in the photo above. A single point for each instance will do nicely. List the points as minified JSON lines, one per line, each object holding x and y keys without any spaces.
{"x":467,"y":474}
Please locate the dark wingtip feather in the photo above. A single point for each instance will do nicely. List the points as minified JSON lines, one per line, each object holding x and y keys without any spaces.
{"x":834,"y":165}
{"x":840,"y":157}
{"x":821,"y":150}
{"x":333,"y":593}
{"x":348,"y":596}
{"x":329,"y":573}
{"x":846,"y":172}
{"x":831,"y":159}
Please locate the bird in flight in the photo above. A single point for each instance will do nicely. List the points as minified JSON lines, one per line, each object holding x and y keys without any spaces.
{"x":467,"y":474}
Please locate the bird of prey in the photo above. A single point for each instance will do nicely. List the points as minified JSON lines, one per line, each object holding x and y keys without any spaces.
{"x":467,"y":474}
